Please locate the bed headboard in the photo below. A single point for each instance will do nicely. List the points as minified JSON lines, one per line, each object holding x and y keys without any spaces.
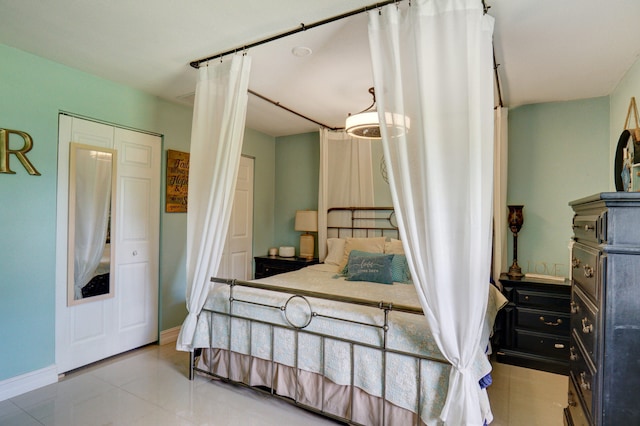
{"x":343,"y":222}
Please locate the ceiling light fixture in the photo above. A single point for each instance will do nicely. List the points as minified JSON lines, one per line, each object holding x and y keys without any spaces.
{"x":366,"y":124}
{"x":301,"y":51}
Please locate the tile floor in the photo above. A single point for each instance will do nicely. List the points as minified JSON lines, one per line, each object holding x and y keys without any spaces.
{"x":525,"y":397}
{"x":149,"y":386}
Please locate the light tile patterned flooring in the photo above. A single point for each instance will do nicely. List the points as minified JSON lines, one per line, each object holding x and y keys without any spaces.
{"x":524,"y":397}
{"x":149,"y":386}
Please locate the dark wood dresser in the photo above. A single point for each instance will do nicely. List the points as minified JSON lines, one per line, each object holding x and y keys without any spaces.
{"x":533,"y":329}
{"x":605,"y":311}
{"x":272,"y":265}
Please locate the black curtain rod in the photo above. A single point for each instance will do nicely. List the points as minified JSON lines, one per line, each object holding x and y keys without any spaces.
{"x":279,"y":105}
{"x":495,"y":72}
{"x":302,"y":27}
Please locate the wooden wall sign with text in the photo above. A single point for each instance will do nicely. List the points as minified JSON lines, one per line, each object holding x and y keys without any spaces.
{"x":177,"y":181}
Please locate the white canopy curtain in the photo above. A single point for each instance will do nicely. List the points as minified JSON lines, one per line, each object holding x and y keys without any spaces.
{"x":432,"y":64}
{"x":346,"y":177}
{"x":216,"y":144}
{"x":500,"y":161}
{"x":93,"y":201}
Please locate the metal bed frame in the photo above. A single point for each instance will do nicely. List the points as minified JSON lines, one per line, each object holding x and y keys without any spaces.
{"x":382,"y":324}
{"x":379,"y":221}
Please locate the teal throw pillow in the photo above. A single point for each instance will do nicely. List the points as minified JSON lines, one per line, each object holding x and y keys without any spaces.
{"x":375,"y":268}
{"x":400,"y":269}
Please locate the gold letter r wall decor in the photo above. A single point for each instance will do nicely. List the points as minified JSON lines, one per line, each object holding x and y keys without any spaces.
{"x":5,"y":151}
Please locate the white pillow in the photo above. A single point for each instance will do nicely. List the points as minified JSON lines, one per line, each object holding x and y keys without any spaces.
{"x":335,"y":251}
{"x":393,"y":247}
{"x":371,"y":245}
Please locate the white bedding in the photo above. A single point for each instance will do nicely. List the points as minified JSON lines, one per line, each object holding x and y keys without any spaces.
{"x":408,"y":333}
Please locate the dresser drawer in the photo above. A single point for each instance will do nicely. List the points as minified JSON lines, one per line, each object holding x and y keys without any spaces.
{"x":584,"y":323}
{"x":585,"y":381}
{"x":588,"y":228}
{"x":544,"y":321}
{"x":586,"y":272}
{"x":579,"y":417}
{"x":544,"y":344}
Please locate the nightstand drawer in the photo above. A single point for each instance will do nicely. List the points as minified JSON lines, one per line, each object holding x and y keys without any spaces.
{"x":547,"y":300}
{"x":267,"y":266}
{"x":267,"y":271}
{"x":544,"y":321}
{"x":542,"y":344}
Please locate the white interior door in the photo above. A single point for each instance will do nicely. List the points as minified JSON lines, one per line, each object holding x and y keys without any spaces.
{"x":237,"y":258}
{"x":137,"y":238}
{"x":94,"y":330}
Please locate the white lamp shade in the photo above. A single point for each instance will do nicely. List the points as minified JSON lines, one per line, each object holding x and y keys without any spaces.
{"x":363,"y":125}
{"x":306,"y":221}
{"x":366,"y":125}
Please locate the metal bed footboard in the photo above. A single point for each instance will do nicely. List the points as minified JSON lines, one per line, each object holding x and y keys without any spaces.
{"x":385,"y":309}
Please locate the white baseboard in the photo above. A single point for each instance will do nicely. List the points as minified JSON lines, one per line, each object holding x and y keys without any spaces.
{"x":169,"y":336}
{"x":27,"y":382}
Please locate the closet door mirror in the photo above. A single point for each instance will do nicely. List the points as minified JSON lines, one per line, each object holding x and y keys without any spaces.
{"x":92,"y":187}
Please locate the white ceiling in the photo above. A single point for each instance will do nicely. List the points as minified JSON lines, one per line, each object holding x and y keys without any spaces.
{"x":548,"y":50}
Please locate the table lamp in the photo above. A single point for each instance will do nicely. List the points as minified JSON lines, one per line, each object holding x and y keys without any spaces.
{"x":307,"y":221}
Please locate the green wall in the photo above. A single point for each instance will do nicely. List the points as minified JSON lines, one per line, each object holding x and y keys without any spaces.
{"x":263,"y":149}
{"x":558,"y":152}
{"x":629,"y":87}
{"x":33,"y":91}
{"x":297,"y":171}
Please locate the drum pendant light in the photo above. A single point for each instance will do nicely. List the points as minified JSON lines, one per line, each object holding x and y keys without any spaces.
{"x":364,"y":124}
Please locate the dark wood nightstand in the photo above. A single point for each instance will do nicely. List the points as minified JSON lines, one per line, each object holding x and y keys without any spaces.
{"x":533,"y":329}
{"x":272,"y":265}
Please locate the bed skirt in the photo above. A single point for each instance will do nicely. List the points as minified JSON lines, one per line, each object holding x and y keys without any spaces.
{"x":303,"y":388}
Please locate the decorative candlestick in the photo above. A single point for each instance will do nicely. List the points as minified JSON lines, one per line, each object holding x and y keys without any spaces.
{"x":515,"y":219}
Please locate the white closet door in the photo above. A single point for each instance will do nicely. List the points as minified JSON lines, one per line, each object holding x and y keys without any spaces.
{"x":137,"y":238}
{"x":95,"y":330}
{"x":237,"y":258}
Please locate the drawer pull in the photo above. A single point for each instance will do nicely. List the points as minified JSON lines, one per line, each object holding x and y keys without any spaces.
{"x":559,"y":346}
{"x":574,"y":307}
{"x":583,"y":382}
{"x":589,"y":228}
{"x":588,"y":271}
{"x":586,"y":327}
{"x":575,"y":262}
{"x":553,"y":324}
{"x":572,"y":354}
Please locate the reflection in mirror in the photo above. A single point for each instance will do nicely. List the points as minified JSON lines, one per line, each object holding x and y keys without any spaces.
{"x":92,"y":177}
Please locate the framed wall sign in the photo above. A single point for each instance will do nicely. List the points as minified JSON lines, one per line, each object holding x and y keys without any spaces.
{"x":177,"y":181}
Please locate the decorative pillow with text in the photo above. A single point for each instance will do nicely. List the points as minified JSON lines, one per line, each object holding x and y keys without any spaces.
{"x":375,"y":269}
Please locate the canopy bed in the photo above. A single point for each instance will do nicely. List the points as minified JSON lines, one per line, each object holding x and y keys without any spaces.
{"x":354,"y":346}
{"x":432,"y":68}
